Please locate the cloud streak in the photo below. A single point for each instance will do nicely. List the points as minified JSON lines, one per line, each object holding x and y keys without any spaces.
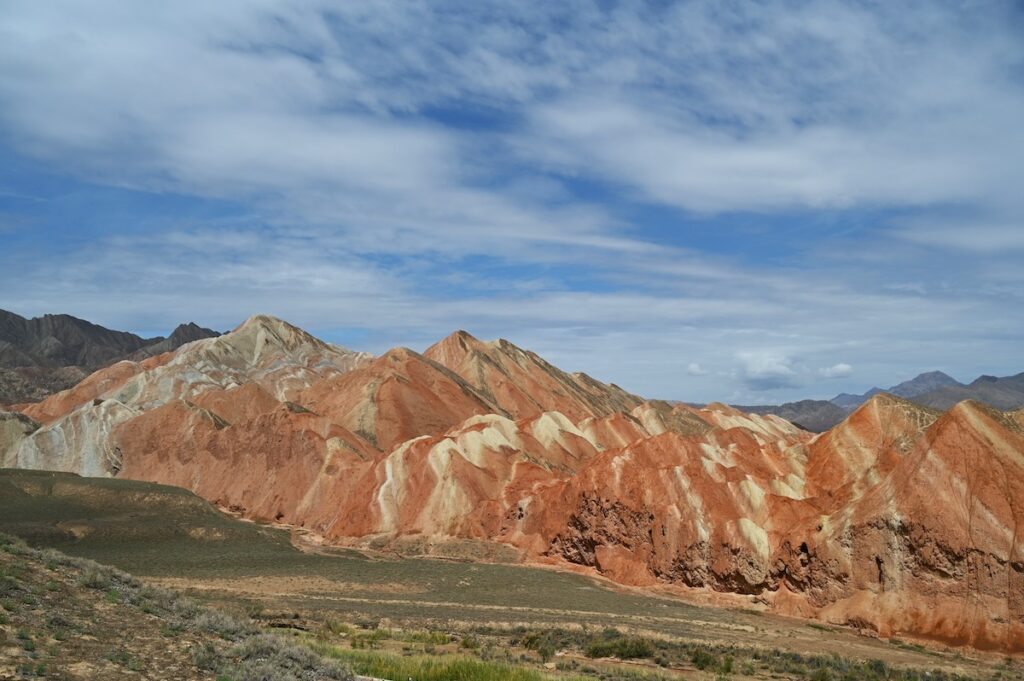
{"x":776,"y":193}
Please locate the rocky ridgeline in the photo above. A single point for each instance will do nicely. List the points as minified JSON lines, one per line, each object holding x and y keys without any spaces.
{"x":898,"y":520}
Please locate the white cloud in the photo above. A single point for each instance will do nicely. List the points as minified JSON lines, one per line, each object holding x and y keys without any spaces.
{"x":767,"y":370}
{"x":971,"y":235}
{"x":374,"y":215}
{"x":841,"y":370}
{"x":693,"y":105}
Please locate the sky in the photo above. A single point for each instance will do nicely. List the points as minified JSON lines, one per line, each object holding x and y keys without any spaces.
{"x":748,"y":202}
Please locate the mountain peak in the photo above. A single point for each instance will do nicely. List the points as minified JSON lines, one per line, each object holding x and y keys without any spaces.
{"x":923,"y":383}
{"x":262,"y":333}
{"x":884,"y":410}
{"x":522,"y":383}
{"x":188,"y":332}
{"x":263,"y":321}
{"x":453,"y":348}
{"x":936,"y":375}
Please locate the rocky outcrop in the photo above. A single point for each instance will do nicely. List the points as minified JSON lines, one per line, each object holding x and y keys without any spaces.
{"x":901,"y":521}
{"x":14,"y":427}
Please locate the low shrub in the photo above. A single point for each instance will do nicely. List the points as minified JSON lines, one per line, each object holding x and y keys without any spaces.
{"x":95,"y":578}
{"x":269,"y":658}
{"x":622,"y":648}
{"x":206,"y":657}
{"x":703,"y":659}
{"x":220,"y":624}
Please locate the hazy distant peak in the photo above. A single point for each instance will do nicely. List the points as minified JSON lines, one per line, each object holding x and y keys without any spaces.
{"x":923,"y":383}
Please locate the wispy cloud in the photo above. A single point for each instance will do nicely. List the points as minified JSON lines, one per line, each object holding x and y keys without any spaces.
{"x":775,"y":192}
{"x":841,"y":370}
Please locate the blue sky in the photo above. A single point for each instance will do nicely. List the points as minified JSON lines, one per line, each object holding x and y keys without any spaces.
{"x":750,"y":202}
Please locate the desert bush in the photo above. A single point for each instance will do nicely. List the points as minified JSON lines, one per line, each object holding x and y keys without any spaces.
{"x":338,"y":628}
{"x":429,"y":637}
{"x":268,"y":658}
{"x":58,"y":621}
{"x":53,"y":559}
{"x":185,"y":609}
{"x":821,"y":675}
{"x":16,"y":546}
{"x":369,"y":639}
{"x":94,"y":577}
{"x":206,"y":657}
{"x":254,"y":609}
{"x":622,"y":648}
{"x":427,"y":668}
{"x":121,"y":657}
{"x":703,"y":659}
{"x":879,"y":668}
{"x":221,"y":624}
{"x":9,"y":586}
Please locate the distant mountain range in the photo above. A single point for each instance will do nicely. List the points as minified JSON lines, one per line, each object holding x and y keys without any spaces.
{"x":931,"y":389}
{"x":44,"y":355}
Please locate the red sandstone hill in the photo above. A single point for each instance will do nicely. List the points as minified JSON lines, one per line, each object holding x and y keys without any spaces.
{"x":900,"y":520}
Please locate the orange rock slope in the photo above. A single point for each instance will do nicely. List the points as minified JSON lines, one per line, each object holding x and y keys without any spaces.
{"x":899,"y":520}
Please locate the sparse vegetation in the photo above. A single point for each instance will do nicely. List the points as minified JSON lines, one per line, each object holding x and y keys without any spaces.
{"x":95,"y":578}
{"x":269,"y":657}
{"x":245,"y":654}
{"x":622,"y":648}
{"x":432,"y":668}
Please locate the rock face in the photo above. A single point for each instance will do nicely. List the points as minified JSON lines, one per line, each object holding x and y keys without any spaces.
{"x":14,"y":428}
{"x":901,"y":519}
{"x":44,"y":355}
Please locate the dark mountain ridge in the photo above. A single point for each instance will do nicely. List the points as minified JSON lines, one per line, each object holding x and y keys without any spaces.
{"x":812,"y":415}
{"x":1005,"y":394}
{"x":43,"y":355}
{"x":62,"y":340}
